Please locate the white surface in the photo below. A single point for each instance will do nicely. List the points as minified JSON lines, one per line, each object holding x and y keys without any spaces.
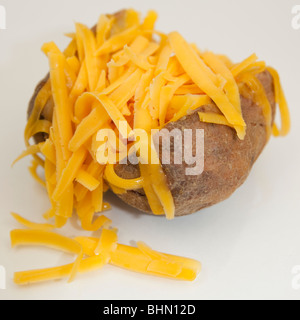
{"x":248,"y":244}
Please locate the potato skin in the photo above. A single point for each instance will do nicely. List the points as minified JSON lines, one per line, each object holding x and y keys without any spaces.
{"x":227,"y":162}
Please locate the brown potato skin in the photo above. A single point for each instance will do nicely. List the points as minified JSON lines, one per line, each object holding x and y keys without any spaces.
{"x":227,"y":162}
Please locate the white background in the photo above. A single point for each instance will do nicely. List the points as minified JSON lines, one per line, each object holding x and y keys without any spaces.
{"x":248,"y":244}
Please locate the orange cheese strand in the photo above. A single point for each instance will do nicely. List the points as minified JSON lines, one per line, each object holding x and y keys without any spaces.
{"x":80,"y":84}
{"x":139,"y":61}
{"x":155,"y":91}
{"x":254,"y":68}
{"x":49,"y":239}
{"x":56,"y":273}
{"x":156,"y":184}
{"x":182,"y":106}
{"x":126,"y":90}
{"x":189,"y":89}
{"x":48,"y":150}
{"x":32,"y":225}
{"x":283,"y":107}
{"x":96,"y":171}
{"x":64,"y":205}
{"x":160,"y":263}
{"x":166,"y":95}
{"x":88,"y":126}
{"x":74,"y":64}
{"x":97,"y":197}
{"x":163,"y":59}
{"x":121,"y":80}
{"x":50,"y":175}
{"x":101,"y":82}
{"x":259,"y":96}
{"x":69,"y":173}
{"x":71,"y":49}
{"x":107,"y":244}
{"x":51,"y":48}
{"x":231,"y":87}
{"x":87,"y":180}
{"x":89,"y":45}
{"x":147,"y":261}
{"x":104,"y":25}
{"x":149,"y":21}
{"x":86,"y":212}
{"x":154,"y":181}
{"x":114,"y":113}
{"x":31,"y":150}
{"x":133,"y":259}
{"x":159,"y":184}
{"x":88,"y":224}
{"x":153,"y":200}
{"x":213,"y":118}
{"x":114,"y":179}
{"x":61,"y":101}
{"x":118,"y":41}
{"x":60,"y":220}
{"x":240,"y":67}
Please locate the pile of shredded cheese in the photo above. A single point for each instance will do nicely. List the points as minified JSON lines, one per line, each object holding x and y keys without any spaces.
{"x":123,"y":70}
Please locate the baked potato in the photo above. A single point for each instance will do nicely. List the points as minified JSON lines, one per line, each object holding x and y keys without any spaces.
{"x":227,"y":158}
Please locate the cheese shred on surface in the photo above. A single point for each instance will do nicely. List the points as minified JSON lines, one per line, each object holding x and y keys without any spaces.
{"x":123,"y":71}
